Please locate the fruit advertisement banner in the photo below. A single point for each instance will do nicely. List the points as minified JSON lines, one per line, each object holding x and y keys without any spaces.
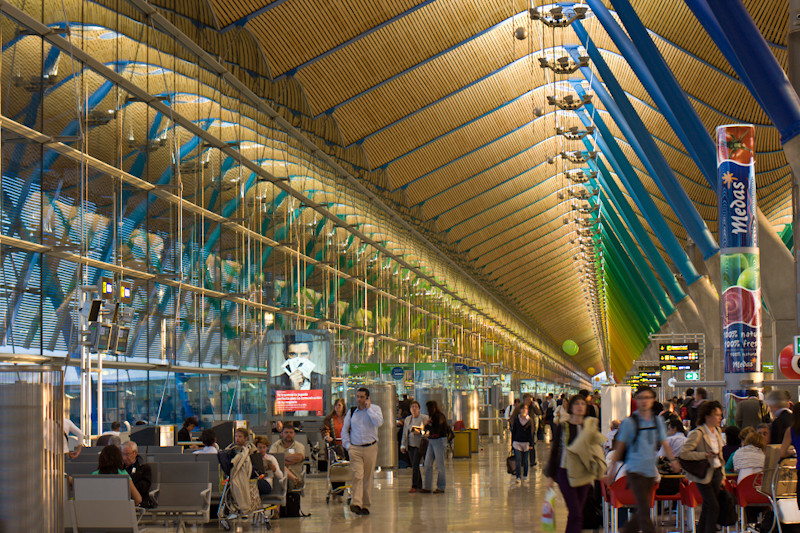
{"x":739,"y":256}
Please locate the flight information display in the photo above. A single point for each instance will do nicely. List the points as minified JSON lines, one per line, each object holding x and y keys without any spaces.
{"x":679,"y":356}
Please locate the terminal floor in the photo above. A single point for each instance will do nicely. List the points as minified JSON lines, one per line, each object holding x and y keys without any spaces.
{"x":479,"y":497}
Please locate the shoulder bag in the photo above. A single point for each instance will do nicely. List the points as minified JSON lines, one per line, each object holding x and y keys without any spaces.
{"x":697,"y":468}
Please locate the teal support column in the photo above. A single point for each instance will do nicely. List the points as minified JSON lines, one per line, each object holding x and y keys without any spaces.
{"x":640,"y":195}
{"x":618,"y":200}
{"x":616,"y":226}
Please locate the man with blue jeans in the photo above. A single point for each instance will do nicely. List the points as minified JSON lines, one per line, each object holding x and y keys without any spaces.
{"x":642,"y":434}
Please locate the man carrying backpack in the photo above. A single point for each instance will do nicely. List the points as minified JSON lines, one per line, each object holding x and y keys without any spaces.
{"x":638,"y":440}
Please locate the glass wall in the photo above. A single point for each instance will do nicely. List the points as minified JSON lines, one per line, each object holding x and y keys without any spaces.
{"x":127,"y":157}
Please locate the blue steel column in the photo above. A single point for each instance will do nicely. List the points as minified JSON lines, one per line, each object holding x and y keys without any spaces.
{"x":756,"y":61}
{"x":640,"y":195}
{"x":666,"y":84}
{"x":642,"y":142}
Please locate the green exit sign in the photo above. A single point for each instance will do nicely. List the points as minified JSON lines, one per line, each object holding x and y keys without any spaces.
{"x":691,"y":376}
{"x":797,"y":345}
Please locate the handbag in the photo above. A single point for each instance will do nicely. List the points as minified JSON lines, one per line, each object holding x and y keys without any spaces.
{"x":423,"y":447}
{"x":697,"y":468}
{"x":511,"y":463}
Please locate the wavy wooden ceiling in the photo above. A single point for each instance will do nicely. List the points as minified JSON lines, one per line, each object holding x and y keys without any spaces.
{"x":438,"y":97}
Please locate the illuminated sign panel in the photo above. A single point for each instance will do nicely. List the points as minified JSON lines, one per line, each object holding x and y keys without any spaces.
{"x":680,"y":356}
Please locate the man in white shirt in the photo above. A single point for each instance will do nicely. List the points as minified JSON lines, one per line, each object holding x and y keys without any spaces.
{"x":115,"y":427}
{"x":509,"y":410}
{"x":360,"y":439}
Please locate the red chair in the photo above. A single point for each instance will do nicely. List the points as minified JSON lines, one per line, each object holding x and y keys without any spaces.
{"x":620,"y":496}
{"x":748,"y":496}
{"x":691,"y":498}
{"x":674,"y":498}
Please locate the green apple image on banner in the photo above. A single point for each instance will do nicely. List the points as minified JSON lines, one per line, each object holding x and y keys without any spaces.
{"x":732,"y":267}
{"x":750,"y":278}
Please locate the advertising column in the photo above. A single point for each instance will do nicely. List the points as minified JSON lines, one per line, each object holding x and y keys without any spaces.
{"x":740,"y":302}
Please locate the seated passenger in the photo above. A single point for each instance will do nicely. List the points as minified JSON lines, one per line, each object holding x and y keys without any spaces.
{"x":115,"y":427}
{"x":70,"y":427}
{"x":749,"y":459}
{"x":613,"y":427}
{"x":676,"y":436}
{"x":140,"y":472}
{"x":110,"y":462}
{"x":185,"y":433}
{"x":732,"y":441}
{"x":268,"y":470}
{"x":209,"y":440}
{"x":295,"y":455}
{"x":620,"y":470}
{"x":742,"y":436}
{"x":240,"y":438}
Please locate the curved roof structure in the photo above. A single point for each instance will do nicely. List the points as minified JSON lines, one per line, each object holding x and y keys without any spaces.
{"x":445,"y":115}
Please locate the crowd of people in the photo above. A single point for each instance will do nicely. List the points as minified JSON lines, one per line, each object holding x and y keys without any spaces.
{"x":683,"y":435}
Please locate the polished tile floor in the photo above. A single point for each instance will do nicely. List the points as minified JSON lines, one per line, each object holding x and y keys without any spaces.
{"x":479,"y":497}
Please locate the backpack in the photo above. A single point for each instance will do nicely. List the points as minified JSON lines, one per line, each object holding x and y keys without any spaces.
{"x":635,"y":418}
{"x":352,"y":410}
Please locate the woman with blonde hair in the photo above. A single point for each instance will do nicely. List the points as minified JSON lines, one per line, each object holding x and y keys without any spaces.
{"x":749,"y":459}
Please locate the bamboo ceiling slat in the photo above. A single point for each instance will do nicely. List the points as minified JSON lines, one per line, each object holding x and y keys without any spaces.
{"x":471,"y":196}
{"x":296,"y":32}
{"x":460,"y":141}
{"x":229,"y":11}
{"x":378,"y":57}
{"x":481,"y":159}
{"x":444,"y":116}
{"x":432,"y":81}
{"x":495,"y":222}
{"x":499,"y":266}
{"x":518,"y":234}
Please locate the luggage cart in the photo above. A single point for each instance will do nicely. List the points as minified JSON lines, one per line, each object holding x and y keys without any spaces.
{"x":339,"y":473}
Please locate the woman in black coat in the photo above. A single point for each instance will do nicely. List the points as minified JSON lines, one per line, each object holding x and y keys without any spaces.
{"x":521,"y":440}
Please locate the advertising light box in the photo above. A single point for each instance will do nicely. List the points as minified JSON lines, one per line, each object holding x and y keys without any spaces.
{"x":290,"y":401}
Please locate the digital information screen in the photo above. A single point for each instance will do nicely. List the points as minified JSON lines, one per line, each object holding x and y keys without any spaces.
{"x":680,"y":356}
{"x":650,"y":376}
{"x":288,"y":401}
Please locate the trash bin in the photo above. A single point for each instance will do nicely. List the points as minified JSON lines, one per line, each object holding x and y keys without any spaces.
{"x":474,"y":446}
{"x":461,"y":444}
